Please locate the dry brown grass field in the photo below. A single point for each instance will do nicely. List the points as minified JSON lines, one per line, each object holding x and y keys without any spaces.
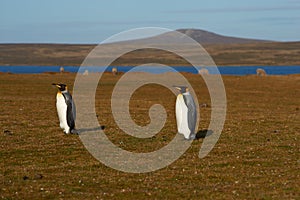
{"x":272,"y":53}
{"x":256,"y":157}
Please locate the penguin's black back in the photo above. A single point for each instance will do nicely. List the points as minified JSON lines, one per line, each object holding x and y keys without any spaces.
{"x":70,"y":109}
{"x":192,"y":114}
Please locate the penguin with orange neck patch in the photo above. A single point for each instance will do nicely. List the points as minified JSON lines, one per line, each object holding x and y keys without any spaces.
{"x":65,"y":109}
{"x":186,"y":113}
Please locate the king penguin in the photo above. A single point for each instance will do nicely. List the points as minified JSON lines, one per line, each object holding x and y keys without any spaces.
{"x":186,"y":113}
{"x":65,"y":109}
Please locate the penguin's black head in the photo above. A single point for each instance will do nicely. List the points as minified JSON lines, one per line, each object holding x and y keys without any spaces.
{"x":60,"y":86}
{"x":182,"y":89}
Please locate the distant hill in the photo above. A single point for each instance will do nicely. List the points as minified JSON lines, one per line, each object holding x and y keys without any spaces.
{"x":206,"y":37}
{"x":226,"y":51}
{"x":201,"y":36}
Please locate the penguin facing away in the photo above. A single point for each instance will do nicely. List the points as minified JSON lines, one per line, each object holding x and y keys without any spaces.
{"x":65,"y":109}
{"x":186,"y":113}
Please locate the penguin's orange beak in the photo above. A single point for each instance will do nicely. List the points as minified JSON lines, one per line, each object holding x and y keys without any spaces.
{"x":56,"y":85}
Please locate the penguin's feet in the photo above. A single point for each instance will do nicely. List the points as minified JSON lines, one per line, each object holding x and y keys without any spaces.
{"x":66,"y":133}
{"x":192,"y":137}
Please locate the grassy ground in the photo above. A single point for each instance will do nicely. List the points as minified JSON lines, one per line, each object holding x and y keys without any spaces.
{"x":257,"y":156}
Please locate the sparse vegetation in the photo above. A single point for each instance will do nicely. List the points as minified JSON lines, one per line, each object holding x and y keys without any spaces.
{"x":257,"y":156}
{"x":285,"y":53}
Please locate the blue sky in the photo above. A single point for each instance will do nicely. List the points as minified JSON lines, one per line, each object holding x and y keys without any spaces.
{"x":91,"y":21}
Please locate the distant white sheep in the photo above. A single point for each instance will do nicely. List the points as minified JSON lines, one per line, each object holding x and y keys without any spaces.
{"x":261,"y":72}
{"x":203,"y":71}
{"x":62,"y":69}
{"x":114,"y":71}
{"x":86,"y":72}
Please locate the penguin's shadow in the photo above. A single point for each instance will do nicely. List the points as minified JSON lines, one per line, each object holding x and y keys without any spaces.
{"x":203,"y":133}
{"x":85,"y":130}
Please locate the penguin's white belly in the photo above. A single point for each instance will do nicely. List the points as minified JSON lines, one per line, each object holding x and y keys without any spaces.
{"x":62,"y":112}
{"x":182,"y":117}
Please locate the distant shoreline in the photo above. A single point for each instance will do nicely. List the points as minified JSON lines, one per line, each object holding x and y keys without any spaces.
{"x":223,"y":70}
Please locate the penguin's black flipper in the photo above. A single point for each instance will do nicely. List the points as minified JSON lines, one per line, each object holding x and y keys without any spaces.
{"x":192,"y":114}
{"x":70,"y":114}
